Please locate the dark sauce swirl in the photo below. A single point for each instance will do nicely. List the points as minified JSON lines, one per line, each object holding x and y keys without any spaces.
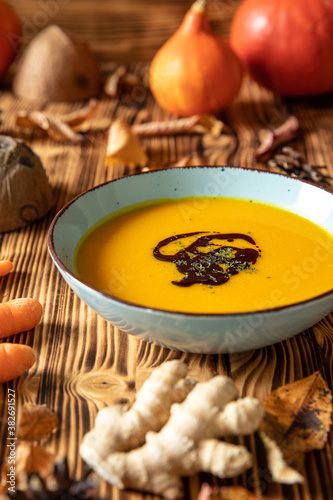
{"x":214,"y":266}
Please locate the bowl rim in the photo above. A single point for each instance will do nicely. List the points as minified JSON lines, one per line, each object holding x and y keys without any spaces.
{"x":141,"y":307}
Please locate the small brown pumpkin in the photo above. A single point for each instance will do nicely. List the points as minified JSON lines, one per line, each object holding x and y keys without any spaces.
{"x":195,"y":71}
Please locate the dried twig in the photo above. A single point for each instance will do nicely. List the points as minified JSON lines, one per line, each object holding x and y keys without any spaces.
{"x":196,"y":124}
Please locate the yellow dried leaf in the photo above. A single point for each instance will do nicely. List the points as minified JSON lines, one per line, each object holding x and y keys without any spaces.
{"x":36,"y":423}
{"x":123,"y":146}
{"x":298,"y":417}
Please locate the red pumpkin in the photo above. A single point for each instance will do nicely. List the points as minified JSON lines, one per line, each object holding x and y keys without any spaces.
{"x":10,"y":30}
{"x":287,"y":46}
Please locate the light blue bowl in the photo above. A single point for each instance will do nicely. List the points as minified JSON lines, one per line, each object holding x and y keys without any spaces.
{"x":199,"y":333}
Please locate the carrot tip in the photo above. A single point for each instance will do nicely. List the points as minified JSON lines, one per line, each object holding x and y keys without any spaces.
{"x":15,"y":360}
{"x":6,"y":267}
{"x":19,"y":315}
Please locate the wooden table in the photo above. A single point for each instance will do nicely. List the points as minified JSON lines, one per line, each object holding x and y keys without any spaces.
{"x":83,"y":363}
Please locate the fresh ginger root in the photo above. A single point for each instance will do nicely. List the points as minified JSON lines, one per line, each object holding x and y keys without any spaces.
{"x":124,"y":429}
{"x":188,"y":443}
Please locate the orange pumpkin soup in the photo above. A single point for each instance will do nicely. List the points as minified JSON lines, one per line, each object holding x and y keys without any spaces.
{"x":207,"y":255}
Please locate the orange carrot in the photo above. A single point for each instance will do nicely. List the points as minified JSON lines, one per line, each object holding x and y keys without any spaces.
{"x":19,"y":315}
{"x":15,"y":360}
{"x":5,"y":267}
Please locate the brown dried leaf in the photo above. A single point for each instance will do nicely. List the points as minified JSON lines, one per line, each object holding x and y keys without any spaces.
{"x":227,"y":493}
{"x":298,"y":417}
{"x":112,"y":83}
{"x":123,"y":145}
{"x":58,"y":127}
{"x":32,"y":459}
{"x":196,"y":124}
{"x":55,"y":127}
{"x":36,"y":423}
{"x":123,"y":84}
{"x":272,"y":138}
{"x":77,"y":117}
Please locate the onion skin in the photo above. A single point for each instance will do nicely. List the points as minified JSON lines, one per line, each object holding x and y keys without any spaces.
{"x":195,"y":71}
{"x":286,"y":46}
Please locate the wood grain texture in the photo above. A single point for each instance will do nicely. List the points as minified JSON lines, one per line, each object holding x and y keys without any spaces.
{"x":119,"y":31}
{"x":84,"y":363}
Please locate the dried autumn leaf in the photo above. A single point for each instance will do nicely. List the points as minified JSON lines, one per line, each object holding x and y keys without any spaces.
{"x":226,"y":493}
{"x":55,"y":127}
{"x":298,"y":417}
{"x":280,"y":470}
{"x":125,"y":85}
{"x":32,"y":459}
{"x":58,"y":127}
{"x":113,"y":81}
{"x":120,"y":80}
{"x":270,"y":139}
{"x":78,"y":116}
{"x":123,"y":145}
{"x":37,"y":422}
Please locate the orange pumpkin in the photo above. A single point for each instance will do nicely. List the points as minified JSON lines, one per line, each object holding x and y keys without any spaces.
{"x":195,"y":71}
{"x":287,"y":46}
{"x":10,"y":30}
